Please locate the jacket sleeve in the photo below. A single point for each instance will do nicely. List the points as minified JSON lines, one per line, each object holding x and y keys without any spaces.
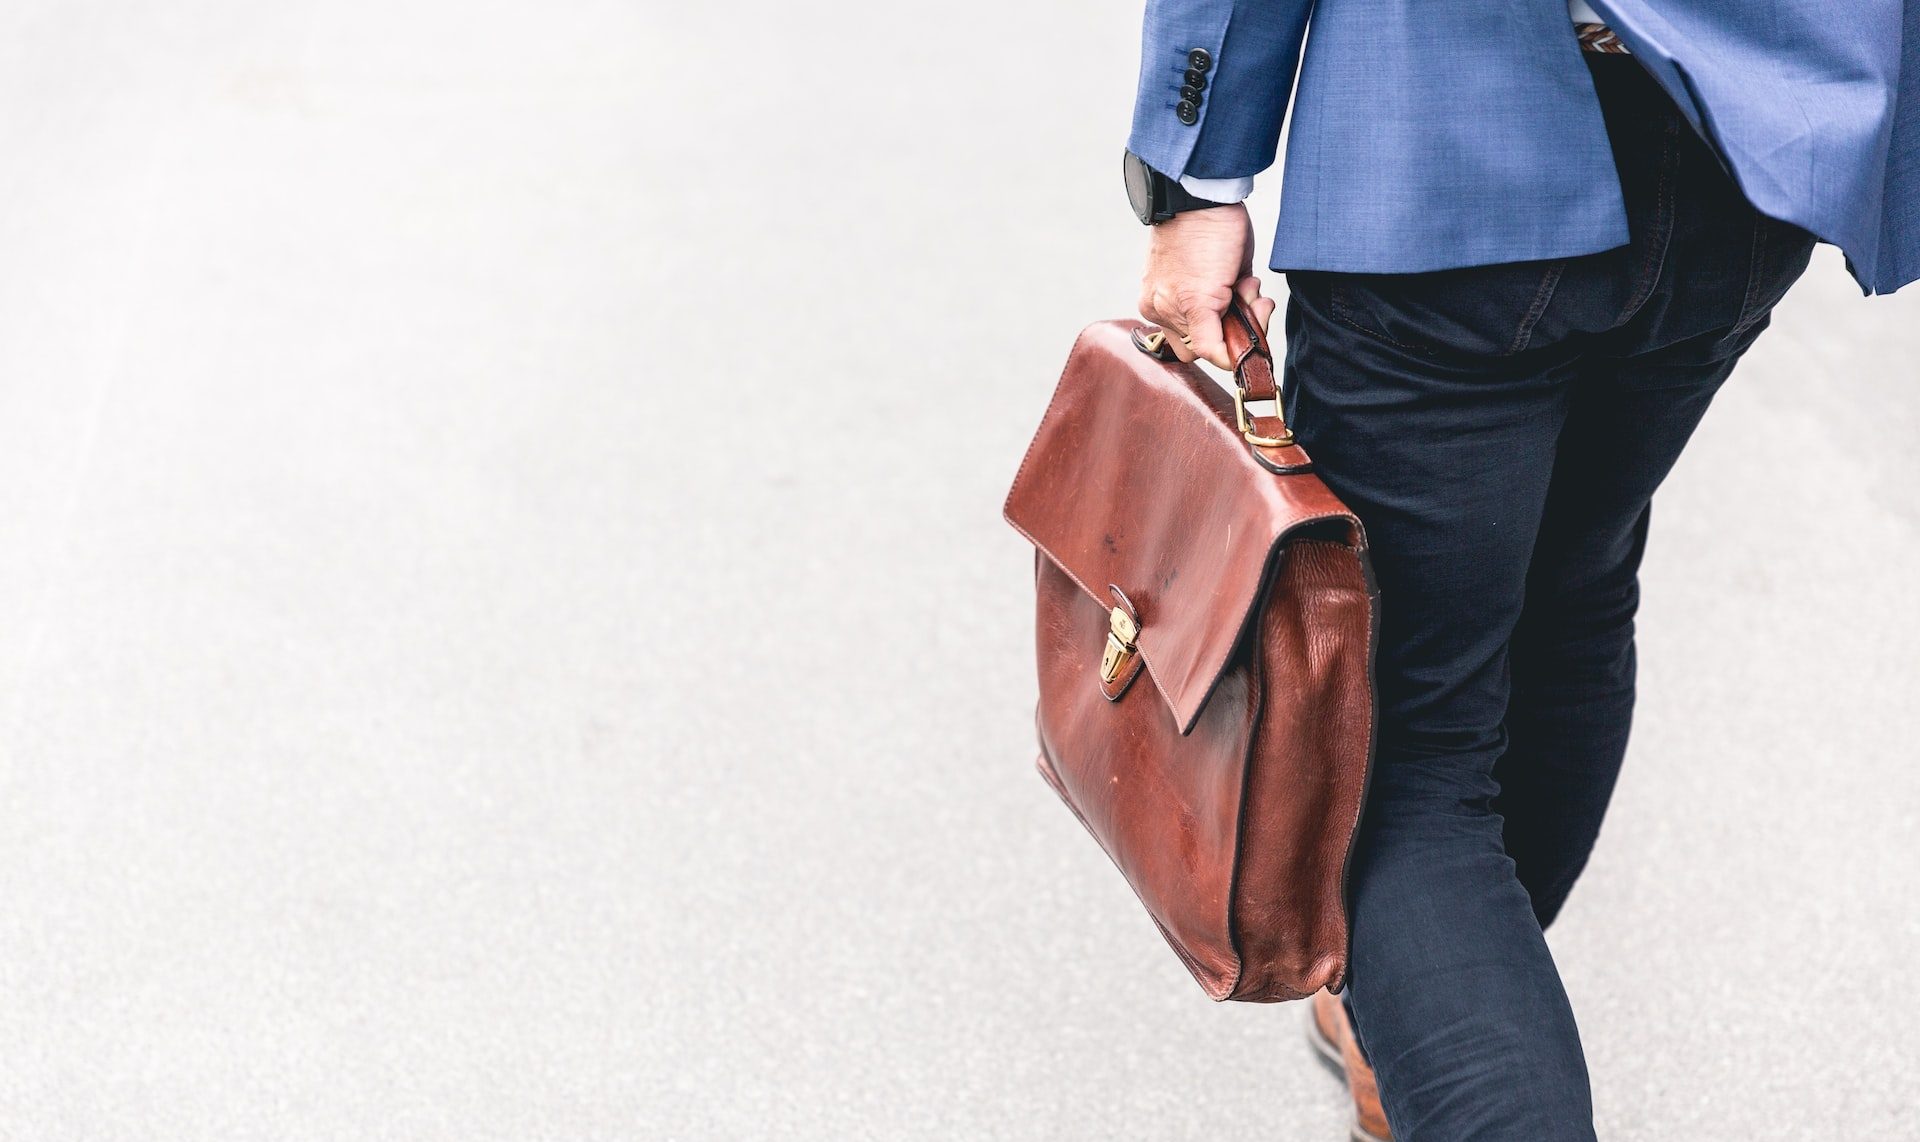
{"x":1245,"y":54}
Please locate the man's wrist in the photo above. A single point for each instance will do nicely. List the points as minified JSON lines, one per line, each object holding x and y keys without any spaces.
{"x":1155,"y":197}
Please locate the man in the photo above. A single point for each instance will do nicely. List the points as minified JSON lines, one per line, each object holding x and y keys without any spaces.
{"x":1525,"y":244}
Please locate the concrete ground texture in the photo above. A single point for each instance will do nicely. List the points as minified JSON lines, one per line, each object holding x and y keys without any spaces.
{"x":506,"y":630}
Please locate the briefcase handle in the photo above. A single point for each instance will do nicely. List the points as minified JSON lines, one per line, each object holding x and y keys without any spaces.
{"x":1253,"y":377}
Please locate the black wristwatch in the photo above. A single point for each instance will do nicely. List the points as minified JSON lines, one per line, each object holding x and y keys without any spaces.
{"x":1154,"y":196}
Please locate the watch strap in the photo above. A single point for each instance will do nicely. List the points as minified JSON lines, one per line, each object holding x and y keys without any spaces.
{"x":1178,"y":199}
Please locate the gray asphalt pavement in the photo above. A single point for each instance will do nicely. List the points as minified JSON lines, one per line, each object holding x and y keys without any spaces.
{"x":506,"y":631}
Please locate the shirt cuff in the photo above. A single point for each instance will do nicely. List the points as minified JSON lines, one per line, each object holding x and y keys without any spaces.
{"x":1218,"y":189}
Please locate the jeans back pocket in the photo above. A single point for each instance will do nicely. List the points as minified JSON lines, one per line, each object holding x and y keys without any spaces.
{"x":1475,"y":311}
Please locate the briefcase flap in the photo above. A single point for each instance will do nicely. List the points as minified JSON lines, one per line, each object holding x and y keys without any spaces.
{"x":1139,"y":479}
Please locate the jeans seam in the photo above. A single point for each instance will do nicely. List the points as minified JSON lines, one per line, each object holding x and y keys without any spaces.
{"x":1542,"y":297}
{"x":1662,"y":235}
{"x":1748,"y":314}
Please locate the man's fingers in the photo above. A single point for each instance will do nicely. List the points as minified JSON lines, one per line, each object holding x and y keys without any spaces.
{"x":1162,"y":310}
{"x":1175,"y":344}
{"x":1198,"y":337}
{"x":1191,"y":321}
{"x":1206,"y":340}
{"x":1248,"y":289}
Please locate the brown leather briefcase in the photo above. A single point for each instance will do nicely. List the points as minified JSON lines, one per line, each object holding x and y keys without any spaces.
{"x":1206,"y":632}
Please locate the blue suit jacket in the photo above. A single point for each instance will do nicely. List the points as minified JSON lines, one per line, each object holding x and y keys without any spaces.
{"x":1429,"y":135}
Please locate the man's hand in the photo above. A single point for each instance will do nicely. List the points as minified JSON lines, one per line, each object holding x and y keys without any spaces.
{"x":1196,"y":262}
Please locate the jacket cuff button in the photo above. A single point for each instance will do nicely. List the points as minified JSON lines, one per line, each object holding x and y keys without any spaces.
{"x":1199,"y":59}
{"x":1188,"y":113}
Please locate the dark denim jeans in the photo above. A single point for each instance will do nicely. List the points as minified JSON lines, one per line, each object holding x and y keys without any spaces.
{"x":1501,"y":430}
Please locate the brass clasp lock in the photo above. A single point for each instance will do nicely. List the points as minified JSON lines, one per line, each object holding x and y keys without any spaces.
{"x":1122,"y":633}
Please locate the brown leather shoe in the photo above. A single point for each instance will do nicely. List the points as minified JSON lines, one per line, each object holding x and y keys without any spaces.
{"x":1332,"y":1038}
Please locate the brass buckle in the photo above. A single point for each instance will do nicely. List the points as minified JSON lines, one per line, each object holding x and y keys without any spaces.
{"x":1122,"y":632}
{"x":1246,"y":423}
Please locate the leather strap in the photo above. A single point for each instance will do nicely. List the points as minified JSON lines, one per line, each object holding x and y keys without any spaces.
{"x":1253,"y":373}
{"x":1247,"y":346}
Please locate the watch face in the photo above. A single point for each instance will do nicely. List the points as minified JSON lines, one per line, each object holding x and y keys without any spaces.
{"x":1139,"y":186}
